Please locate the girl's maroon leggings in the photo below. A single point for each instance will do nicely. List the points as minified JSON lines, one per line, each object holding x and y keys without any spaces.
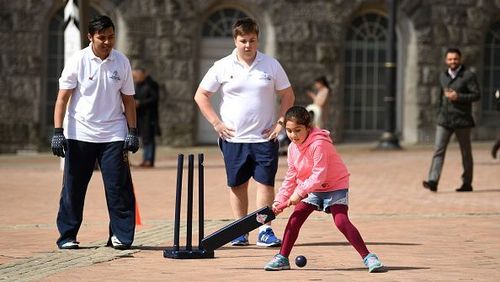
{"x":339,"y":213}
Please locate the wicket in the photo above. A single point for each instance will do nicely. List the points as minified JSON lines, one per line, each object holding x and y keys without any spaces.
{"x":176,"y":252}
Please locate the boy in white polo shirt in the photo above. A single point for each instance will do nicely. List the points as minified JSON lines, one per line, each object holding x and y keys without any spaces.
{"x":97,"y":83}
{"x":248,"y":125}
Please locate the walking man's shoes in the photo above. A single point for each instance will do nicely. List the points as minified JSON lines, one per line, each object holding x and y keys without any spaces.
{"x":431,"y":185}
{"x":494,"y":149}
{"x":465,"y":188}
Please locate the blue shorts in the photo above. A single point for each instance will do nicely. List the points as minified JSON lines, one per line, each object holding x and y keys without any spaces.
{"x":246,"y":160}
{"x":324,"y":200}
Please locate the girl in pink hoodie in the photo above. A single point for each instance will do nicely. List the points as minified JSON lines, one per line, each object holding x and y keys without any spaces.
{"x":317,"y":179}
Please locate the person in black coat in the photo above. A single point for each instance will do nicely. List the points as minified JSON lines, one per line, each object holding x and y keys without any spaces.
{"x":146,"y":98}
{"x":494,"y":149}
{"x":460,"y":89}
{"x":496,"y":146}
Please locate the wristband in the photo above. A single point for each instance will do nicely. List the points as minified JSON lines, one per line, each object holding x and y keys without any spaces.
{"x":58,"y":130}
{"x":132,"y":131}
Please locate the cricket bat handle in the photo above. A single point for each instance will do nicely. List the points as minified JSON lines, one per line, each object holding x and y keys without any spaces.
{"x":282,"y":206}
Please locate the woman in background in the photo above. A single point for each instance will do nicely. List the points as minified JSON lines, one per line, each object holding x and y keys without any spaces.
{"x":319,"y":106}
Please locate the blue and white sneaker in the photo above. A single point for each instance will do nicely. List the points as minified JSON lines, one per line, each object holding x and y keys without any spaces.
{"x":278,"y":262}
{"x":373,"y":263}
{"x":240,"y":241}
{"x":267,"y":238}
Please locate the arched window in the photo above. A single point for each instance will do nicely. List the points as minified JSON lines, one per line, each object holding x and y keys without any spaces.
{"x":365,"y":86}
{"x":55,"y":65}
{"x":216,"y":42}
{"x":220,"y":23}
{"x":491,"y":70}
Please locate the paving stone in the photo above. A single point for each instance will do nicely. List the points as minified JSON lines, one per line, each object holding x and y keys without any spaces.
{"x":419,"y":235}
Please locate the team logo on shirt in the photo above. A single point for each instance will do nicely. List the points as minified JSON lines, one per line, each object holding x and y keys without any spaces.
{"x":265,"y":76}
{"x":115,"y":76}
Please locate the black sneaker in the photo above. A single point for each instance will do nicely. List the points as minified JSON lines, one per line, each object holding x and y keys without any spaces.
{"x":494,"y":149}
{"x":431,"y":185}
{"x":464,"y":188}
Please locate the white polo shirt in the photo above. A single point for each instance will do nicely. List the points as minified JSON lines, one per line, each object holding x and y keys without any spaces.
{"x":95,"y":112}
{"x":248,"y":95}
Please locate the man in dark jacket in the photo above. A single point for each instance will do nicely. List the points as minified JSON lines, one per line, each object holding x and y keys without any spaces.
{"x":146,"y":99}
{"x":460,"y":89}
{"x":496,"y":146}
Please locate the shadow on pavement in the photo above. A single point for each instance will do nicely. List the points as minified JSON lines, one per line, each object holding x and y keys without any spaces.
{"x":348,"y":244}
{"x":363,"y":269}
{"x":487,"y":163}
{"x":488,"y":190}
{"x":150,"y":248}
{"x":360,"y":269}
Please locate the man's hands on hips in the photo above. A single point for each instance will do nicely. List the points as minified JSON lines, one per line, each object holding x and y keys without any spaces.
{"x":273,"y":132}
{"x":59,"y":144}
{"x":131,"y":141}
{"x":223,"y":131}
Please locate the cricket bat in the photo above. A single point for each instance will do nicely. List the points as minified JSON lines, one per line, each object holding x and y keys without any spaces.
{"x":239,"y":227}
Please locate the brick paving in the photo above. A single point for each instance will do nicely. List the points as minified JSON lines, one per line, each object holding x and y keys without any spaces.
{"x":419,"y":235}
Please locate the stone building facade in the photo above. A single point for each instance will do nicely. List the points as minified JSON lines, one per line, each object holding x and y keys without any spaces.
{"x":177,"y":40}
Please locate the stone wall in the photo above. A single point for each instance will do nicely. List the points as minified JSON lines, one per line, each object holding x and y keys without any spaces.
{"x":310,"y":38}
{"x":164,"y":43}
{"x":21,"y":29}
{"x":164,"y":35}
{"x":439,"y":25}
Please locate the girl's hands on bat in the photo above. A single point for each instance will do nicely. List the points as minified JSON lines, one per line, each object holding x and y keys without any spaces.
{"x":294,"y":199}
{"x":276,"y":208}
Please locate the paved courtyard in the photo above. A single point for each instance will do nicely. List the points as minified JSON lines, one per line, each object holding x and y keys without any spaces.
{"x":419,"y":235}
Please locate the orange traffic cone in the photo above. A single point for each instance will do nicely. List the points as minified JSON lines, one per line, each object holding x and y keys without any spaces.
{"x":138,"y":220}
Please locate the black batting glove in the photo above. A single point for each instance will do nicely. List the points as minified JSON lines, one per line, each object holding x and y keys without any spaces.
{"x":59,"y":144}
{"x":131,"y":141}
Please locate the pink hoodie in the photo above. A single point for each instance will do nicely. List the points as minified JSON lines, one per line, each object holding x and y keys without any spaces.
{"x":313,"y":166}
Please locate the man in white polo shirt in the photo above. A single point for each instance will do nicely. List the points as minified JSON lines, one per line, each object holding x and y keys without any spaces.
{"x":101,"y":125}
{"x":248,"y":125}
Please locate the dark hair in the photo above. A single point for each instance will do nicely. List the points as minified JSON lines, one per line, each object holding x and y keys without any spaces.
{"x":322,"y":80}
{"x":299,"y":115}
{"x":99,"y":23}
{"x":453,"y":50}
{"x":245,"y":26}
